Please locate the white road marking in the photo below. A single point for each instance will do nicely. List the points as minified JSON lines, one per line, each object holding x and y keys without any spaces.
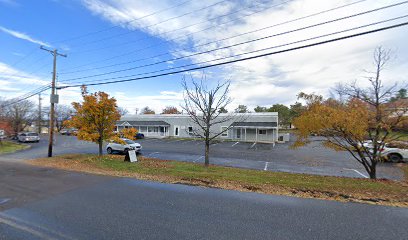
{"x":25,"y":229}
{"x":252,"y":145}
{"x":199,"y":158}
{"x":234,"y":144}
{"x":214,"y":144}
{"x":358,"y":172}
{"x":20,"y":222}
{"x":153,"y":153}
{"x":266,"y":166}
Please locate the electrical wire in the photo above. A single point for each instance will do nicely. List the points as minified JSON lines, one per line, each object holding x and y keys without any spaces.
{"x":169,"y":40}
{"x":233,"y":45}
{"x":208,"y":43}
{"x":244,"y":59}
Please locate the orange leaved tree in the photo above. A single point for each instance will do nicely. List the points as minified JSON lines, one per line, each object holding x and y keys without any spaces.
{"x":95,"y":118}
{"x":362,"y":121}
{"x":129,"y":133}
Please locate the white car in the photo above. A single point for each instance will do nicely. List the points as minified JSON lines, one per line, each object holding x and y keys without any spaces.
{"x":28,"y":137}
{"x":394,"y":154}
{"x":118,"y":147}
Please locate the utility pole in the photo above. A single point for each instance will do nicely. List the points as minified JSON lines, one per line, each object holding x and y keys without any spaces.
{"x":39,"y":113}
{"x":54,"y":98}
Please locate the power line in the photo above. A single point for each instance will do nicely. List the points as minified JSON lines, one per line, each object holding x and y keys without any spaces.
{"x":11,"y":102}
{"x":245,"y":59}
{"x":235,"y":45}
{"x":152,"y":25}
{"x":165,"y":41}
{"x":198,"y":23}
{"x":251,"y":52}
{"x":208,"y":43}
{"x":130,"y":21}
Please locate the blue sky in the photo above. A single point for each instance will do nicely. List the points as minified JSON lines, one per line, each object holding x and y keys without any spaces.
{"x":70,"y":26}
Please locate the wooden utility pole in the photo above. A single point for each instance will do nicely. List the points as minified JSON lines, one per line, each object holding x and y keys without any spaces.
{"x":54,"y":98}
{"x":39,"y":113}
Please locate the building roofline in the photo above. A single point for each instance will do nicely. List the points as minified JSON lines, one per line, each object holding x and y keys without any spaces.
{"x":133,"y":116}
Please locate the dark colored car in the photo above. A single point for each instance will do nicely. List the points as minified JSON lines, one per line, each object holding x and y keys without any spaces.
{"x":139,"y":136}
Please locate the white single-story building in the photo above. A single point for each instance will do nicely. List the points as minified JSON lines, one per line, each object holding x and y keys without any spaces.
{"x":254,"y":127}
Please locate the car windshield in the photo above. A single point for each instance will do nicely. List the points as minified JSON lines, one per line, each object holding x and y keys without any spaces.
{"x":129,"y":141}
{"x":32,"y":134}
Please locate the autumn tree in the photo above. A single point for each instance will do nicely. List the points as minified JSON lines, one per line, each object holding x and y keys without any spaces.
{"x":147,"y":110}
{"x":170,"y":110}
{"x":203,"y":106}
{"x":365,"y":114}
{"x":95,"y":118}
{"x":129,"y":133}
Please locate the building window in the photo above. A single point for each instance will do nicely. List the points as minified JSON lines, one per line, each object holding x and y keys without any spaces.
{"x":224,"y":131}
{"x":190,"y":130}
{"x":262,"y":132}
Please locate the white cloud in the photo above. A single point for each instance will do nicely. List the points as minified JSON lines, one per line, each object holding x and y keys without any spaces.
{"x":20,"y":81}
{"x":277,"y":78}
{"x":23,"y":36}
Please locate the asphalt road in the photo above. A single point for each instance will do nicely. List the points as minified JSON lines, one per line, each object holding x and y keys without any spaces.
{"x":64,"y":205}
{"x":312,"y":159}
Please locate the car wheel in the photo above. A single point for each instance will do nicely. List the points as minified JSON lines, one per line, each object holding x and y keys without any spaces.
{"x":394,"y":157}
{"x":109,"y":150}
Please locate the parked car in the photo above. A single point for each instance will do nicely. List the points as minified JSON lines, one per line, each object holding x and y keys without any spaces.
{"x":119,"y":147}
{"x":72,"y":132}
{"x":64,"y":131}
{"x":391,"y":152}
{"x":139,"y":136}
{"x":395,"y":152}
{"x":28,"y":137}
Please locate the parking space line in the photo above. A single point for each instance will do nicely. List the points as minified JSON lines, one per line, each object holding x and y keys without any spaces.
{"x":153,"y":153}
{"x":253,"y":145}
{"x":358,"y":172}
{"x":266,"y":166}
{"x":234,"y":144}
{"x":199,"y":158}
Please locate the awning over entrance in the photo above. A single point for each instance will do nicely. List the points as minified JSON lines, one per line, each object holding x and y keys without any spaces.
{"x":143,"y":123}
{"x":255,"y":124}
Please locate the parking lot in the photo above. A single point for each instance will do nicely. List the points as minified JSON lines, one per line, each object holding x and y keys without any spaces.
{"x":313,"y":159}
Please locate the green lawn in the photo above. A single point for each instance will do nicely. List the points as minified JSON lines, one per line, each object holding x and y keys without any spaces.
{"x":8,"y":147}
{"x":337,"y":188}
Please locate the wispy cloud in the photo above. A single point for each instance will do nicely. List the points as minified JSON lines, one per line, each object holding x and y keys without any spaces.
{"x":9,"y":2}
{"x":23,"y":36}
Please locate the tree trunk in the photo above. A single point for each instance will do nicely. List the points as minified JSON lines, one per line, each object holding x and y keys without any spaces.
{"x":373,"y":171}
{"x":100,"y":147}
{"x":207,"y":153}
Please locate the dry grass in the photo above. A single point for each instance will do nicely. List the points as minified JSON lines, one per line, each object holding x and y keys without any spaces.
{"x":384,"y":192}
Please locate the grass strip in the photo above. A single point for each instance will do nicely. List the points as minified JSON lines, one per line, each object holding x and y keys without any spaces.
{"x":9,"y":147}
{"x":384,"y":192}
